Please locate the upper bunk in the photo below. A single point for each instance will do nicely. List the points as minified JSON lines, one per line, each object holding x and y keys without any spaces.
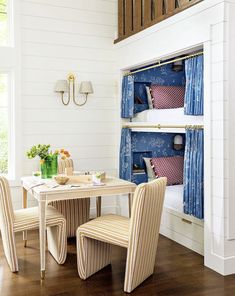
{"x":169,"y":93}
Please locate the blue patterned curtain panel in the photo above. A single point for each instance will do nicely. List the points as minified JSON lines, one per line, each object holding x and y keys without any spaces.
{"x":194,"y":173}
{"x":127,"y":104}
{"x":125,"y":165}
{"x":194,"y":90}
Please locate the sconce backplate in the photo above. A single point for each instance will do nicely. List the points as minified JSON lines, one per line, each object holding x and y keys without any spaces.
{"x":71,"y":77}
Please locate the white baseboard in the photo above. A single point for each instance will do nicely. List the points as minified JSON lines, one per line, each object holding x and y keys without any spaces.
{"x":223,"y":265}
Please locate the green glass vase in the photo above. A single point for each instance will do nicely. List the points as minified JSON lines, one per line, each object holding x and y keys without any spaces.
{"x":49,"y":167}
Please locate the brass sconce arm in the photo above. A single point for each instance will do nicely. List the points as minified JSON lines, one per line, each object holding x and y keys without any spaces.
{"x":62,"y":98}
{"x":81,"y":103}
{"x":63,"y":86}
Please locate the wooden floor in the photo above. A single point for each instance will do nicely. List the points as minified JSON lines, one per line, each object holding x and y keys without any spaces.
{"x":178,"y":271}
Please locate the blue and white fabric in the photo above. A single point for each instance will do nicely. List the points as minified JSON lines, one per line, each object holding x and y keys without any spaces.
{"x":127,"y":104}
{"x":194,"y":89}
{"x":125,"y":163}
{"x":194,"y":173}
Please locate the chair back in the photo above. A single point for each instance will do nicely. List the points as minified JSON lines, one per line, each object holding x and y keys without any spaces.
{"x":144,"y":228}
{"x":66,"y":163}
{"x":6,"y":208}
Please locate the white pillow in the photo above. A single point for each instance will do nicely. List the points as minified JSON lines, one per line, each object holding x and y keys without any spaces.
{"x":150,"y":172}
{"x":149,"y":97}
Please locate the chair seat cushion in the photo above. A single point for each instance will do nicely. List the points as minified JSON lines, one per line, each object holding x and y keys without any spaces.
{"x":112,"y":229}
{"x":26,"y":219}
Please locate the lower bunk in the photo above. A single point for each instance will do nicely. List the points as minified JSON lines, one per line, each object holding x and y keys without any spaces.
{"x":178,"y":226}
{"x":145,"y":156}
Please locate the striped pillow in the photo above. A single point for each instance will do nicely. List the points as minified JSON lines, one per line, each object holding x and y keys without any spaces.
{"x":170,"y":167}
{"x":167,"y":97}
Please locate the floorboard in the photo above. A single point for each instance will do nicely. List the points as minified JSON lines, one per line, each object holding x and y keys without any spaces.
{"x":178,"y":271}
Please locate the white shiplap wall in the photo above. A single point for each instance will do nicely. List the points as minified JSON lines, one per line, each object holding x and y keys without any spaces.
{"x":59,"y":37}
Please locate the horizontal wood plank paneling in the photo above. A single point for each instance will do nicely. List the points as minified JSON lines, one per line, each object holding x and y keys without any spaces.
{"x":79,"y":140}
{"x":91,"y":5}
{"x":89,"y":152}
{"x":68,"y":14}
{"x":50,"y":76}
{"x":47,"y":89}
{"x":42,"y":102}
{"x":48,"y":50}
{"x":59,"y":37}
{"x":69,"y":27}
{"x":86,"y":165}
{"x":65,"y":115}
{"x":46,"y":63}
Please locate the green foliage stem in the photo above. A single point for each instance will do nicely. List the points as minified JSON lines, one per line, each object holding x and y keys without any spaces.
{"x":39,"y":150}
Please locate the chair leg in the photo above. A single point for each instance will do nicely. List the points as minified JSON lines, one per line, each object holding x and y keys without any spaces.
{"x":98,"y":206}
{"x":25,"y":238}
{"x":9,"y":247}
{"x":92,"y":255}
{"x":57,"y":241}
{"x":139,"y":266}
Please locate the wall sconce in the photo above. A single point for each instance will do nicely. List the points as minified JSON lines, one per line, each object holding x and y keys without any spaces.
{"x":177,"y":66}
{"x":68,"y":86}
{"x":178,"y":142}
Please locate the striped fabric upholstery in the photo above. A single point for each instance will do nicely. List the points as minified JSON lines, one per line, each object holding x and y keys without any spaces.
{"x":76,"y":211}
{"x":66,"y":163}
{"x":144,"y":232}
{"x":138,"y":234}
{"x":96,"y":244}
{"x":28,"y":219}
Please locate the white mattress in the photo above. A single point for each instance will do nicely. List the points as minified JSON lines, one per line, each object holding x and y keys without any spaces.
{"x":167,"y":116}
{"x":174,"y":197}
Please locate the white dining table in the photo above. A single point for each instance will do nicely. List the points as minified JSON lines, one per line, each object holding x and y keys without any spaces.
{"x":46,"y":190}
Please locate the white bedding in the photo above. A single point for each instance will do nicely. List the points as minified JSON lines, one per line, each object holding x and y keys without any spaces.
{"x":174,"y":197}
{"x":167,"y":116}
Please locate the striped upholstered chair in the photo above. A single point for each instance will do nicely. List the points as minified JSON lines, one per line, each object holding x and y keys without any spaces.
{"x":76,"y":211}
{"x":27,"y":219}
{"x":139,"y":235}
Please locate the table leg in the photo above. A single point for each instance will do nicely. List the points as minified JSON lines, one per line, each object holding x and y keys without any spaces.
{"x":98,"y":206}
{"x":25,"y":206}
{"x":42,"y":236}
{"x":130,"y":195}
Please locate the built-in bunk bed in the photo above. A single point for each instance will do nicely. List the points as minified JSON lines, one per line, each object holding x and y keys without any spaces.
{"x":162,"y":135}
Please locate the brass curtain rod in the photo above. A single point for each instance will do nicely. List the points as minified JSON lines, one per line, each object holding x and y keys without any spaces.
{"x":159,"y":126}
{"x":165,"y":63}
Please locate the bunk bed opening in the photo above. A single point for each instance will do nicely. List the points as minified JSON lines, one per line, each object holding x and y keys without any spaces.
{"x":164,"y":102}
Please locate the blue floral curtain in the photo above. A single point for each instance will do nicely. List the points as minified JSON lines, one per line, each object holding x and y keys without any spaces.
{"x":194,"y":173}
{"x":194,"y":90}
{"x":127,"y":104}
{"x":125,"y":165}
